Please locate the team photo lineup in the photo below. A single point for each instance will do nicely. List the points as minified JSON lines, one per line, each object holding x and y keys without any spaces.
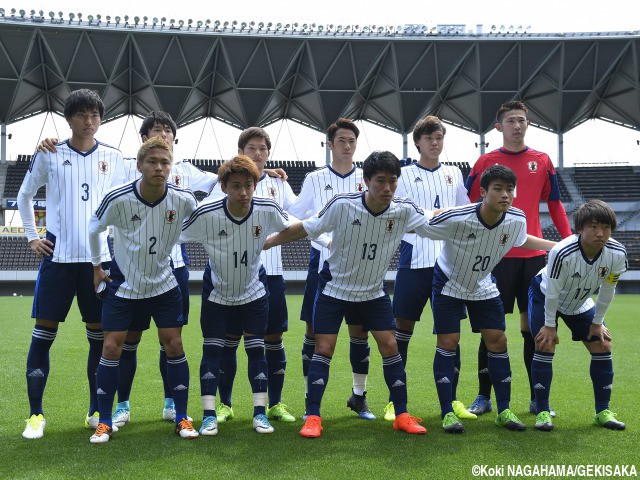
{"x":115,"y":242}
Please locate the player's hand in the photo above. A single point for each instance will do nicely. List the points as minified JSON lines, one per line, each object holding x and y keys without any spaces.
{"x":48,"y":145}
{"x":546,"y":339}
{"x":277,"y":173}
{"x":99,"y":276}
{"x":41,"y":247}
{"x":600,"y":332}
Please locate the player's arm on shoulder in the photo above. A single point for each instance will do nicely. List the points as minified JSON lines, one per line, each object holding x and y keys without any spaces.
{"x":276,"y":173}
{"x":290,"y":234}
{"x":48,"y":145}
{"x":536,"y":243}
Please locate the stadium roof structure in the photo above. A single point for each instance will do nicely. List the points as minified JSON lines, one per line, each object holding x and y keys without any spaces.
{"x":252,"y":74}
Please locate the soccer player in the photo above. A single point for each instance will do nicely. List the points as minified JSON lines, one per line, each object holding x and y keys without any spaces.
{"x":232,"y":231}
{"x":76,"y":177}
{"x":431,"y":185}
{"x":537,"y":181}
{"x":578,"y":266}
{"x":318,"y":188}
{"x":367,"y":228}
{"x":254,"y":143}
{"x":476,"y":237}
{"x":146,"y":216}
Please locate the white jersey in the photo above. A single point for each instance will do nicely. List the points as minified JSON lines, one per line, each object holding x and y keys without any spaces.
{"x":184,"y":175}
{"x":569,"y":279}
{"x":472,"y":249}
{"x":76,"y":183}
{"x":234,"y":246}
{"x":363,"y":243}
{"x":441,"y":187}
{"x":318,"y":188}
{"x":144,"y":234}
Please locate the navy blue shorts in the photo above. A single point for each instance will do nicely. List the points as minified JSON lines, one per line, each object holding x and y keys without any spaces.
{"x":513,"y":276}
{"x":412,"y":289}
{"x":310,"y":286}
{"x":58,"y":283}
{"x":483,"y":314}
{"x":119,"y":314}
{"x":216,"y":320}
{"x":578,"y":324}
{"x":375,"y":315}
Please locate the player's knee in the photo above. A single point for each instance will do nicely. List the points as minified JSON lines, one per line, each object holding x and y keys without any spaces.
{"x":496,"y":340}
{"x":448,"y":342}
{"x":133,"y":337}
{"x":173,"y":345}
{"x":404,"y":324}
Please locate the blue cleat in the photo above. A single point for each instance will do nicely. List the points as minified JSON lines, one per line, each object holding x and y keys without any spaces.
{"x":481,"y":405}
{"x":358,"y":403}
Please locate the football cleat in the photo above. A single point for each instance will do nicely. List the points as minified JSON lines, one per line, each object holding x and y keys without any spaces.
{"x":607,"y":419}
{"x":121,"y":417}
{"x":508,"y":420}
{"x":543,"y":421}
{"x":279,"y":412}
{"x":312,"y":427}
{"x":35,"y":427}
{"x":451,"y":423}
{"x":358,"y":403}
{"x":406,"y":423}
{"x":224,"y":413}
{"x":261,"y":424}
{"x":389,"y":412}
{"x":533,"y":408}
{"x":91,"y":421}
{"x":185,"y":429}
{"x":209,"y":426}
{"x":103,"y":433}
{"x":461,"y":411}
{"x":481,"y":405}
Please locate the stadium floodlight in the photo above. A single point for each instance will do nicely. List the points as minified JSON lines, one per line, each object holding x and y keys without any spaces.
{"x":108,"y":20}
{"x":252,"y":24}
{"x":2,"y":12}
{"x":320,"y":28}
{"x":22,"y":12}
{"x":126,"y":20}
{"x":117,"y":21}
{"x":71,"y":17}
{"x":145,"y":19}
{"x":98,"y":18}
{"x":180,"y":23}
{"x":243,"y":25}
{"x":198,"y":24}
{"x":225,"y":25}
{"x":90,"y":18}
{"x":79,"y":18}
{"x":51,"y":15}
{"x":260,"y":26}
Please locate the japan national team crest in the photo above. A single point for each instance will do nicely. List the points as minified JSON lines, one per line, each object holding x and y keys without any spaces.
{"x":103,"y":166}
{"x":257,"y":231}
{"x":448,"y":179}
{"x":169,"y":216}
{"x":390,"y":225}
{"x":603,"y":272}
{"x":359,"y":187}
{"x":177,"y":180}
{"x":503,"y":239}
{"x":271,"y":191}
{"x":533,"y":166}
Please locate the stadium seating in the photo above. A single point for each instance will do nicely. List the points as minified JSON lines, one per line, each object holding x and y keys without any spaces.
{"x":16,"y":254}
{"x":15,"y":175}
{"x":611,"y":184}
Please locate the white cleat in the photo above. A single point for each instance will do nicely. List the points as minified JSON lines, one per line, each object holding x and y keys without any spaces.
{"x":35,"y":427}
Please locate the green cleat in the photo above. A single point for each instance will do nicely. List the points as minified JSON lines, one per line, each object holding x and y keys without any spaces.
{"x":451,"y":423}
{"x":224,"y":413}
{"x":389,"y":412}
{"x":279,"y":412}
{"x":543,"y":421}
{"x":461,"y":411}
{"x":508,"y":420}
{"x":607,"y":419}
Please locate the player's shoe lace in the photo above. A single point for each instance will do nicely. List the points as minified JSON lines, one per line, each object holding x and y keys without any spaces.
{"x":312,"y":427}
{"x":481,"y":405}
{"x":224,"y":413}
{"x":607,"y":419}
{"x":389,"y":412}
{"x":261,"y":424}
{"x":451,"y":423}
{"x":543,"y":421}
{"x":406,"y":423}
{"x":35,"y":427}
{"x":185,"y":429}
{"x":508,"y":420}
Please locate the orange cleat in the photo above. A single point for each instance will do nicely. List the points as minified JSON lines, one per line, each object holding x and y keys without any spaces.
{"x":406,"y":423}
{"x":312,"y":427}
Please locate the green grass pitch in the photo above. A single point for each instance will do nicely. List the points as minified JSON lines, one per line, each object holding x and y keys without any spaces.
{"x":349,"y":448}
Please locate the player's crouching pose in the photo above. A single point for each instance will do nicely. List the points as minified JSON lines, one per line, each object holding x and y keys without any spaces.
{"x":147,"y":217}
{"x":232,"y":231}
{"x":475,"y":238}
{"x":367,"y":228}
{"x":578,"y":266}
